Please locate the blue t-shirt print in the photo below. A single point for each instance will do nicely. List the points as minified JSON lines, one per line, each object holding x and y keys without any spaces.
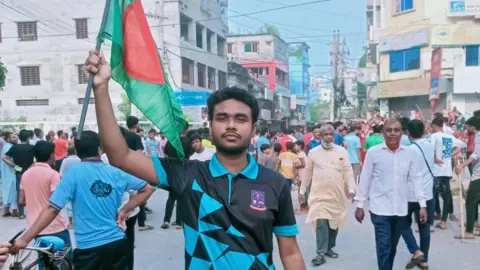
{"x":95,"y":190}
{"x":447,"y":147}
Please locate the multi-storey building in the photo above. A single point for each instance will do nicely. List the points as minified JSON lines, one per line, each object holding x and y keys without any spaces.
{"x":299,"y":73}
{"x":413,"y":29}
{"x":44,"y":45}
{"x":266,"y":56}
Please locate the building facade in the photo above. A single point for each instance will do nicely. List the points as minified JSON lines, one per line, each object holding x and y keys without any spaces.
{"x":299,"y":75}
{"x":413,"y":29}
{"x":266,"y":57}
{"x":44,"y":45}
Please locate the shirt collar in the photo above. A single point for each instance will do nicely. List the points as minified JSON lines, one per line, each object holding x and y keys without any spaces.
{"x":42,"y":164}
{"x":250,"y":172}
{"x":384,"y":146}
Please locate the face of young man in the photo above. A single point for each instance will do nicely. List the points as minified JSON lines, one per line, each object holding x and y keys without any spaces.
{"x":231,"y":127}
{"x":151,"y":135}
{"x":316,"y":134}
{"x":197,"y":145}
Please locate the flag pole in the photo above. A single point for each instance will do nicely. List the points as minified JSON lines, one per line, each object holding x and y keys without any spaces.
{"x":88,"y":92}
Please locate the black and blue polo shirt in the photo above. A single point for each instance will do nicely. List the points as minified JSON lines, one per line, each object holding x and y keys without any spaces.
{"x":229,"y":219}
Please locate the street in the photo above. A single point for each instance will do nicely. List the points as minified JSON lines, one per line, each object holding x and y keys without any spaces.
{"x":164,"y":249}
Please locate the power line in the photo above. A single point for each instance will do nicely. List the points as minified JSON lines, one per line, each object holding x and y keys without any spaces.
{"x":250,"y":13}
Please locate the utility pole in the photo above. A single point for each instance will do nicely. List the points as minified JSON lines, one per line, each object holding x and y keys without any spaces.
{"x":335,"y":76}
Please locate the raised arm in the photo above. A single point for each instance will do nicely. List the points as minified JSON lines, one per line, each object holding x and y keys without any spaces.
{"x":113,"y":142}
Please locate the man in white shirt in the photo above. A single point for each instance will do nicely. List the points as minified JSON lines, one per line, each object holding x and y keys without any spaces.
{"x":424,"y":149}
{"x":387,"y":170}
{"x":442,"y":170}
{"x":201,"y":153}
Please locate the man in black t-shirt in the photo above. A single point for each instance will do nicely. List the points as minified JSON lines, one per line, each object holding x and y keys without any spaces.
{"x":134,"y":141}
{"x":21,"y":157}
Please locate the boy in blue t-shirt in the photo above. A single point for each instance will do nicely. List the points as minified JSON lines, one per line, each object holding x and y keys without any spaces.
{"x":95,"y":190}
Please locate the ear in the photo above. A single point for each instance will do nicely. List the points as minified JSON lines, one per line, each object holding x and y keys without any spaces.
{"x":254,"y":130}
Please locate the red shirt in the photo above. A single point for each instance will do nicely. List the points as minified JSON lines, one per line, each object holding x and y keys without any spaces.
{"x":471,"y":143}
{"x":283,"y":141}
{"x":307,"y":138}
{"x":61,"y":146}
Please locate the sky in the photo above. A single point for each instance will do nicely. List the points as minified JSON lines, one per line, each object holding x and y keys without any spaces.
{"x":313,"y":23}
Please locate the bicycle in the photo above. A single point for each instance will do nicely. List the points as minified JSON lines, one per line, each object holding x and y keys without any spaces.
{"x":52,"y":253}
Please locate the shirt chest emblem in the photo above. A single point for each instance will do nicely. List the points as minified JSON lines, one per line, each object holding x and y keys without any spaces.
{"x":257,"y":200}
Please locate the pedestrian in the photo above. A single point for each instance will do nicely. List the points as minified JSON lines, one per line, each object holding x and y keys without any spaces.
{"x":423,"y":148}
{"x":354,"y":149}
{"x":268,"y":159}
{"x":302,"y":157}
{"x":287,"y":164}
{"x":201,"y":153}
{"x":9,"y":190}
{"x":316,"y":139}
{"x":61,"y":145}
{"x":70,"y":160}
{"x":224,"y":211}
{"x":37,"y":186}
{"x":95,"y":190}
{"x":263,"y":139}
{"x":473,"y":192}
{"x":20,"y":157}
{"x":387,"y":172}
{"x":375,"y":138}
{"x":150,"y":143}
{"x":332,"y":187}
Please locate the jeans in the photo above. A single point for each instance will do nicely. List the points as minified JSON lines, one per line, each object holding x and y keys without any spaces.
{"x":424,"y":228}
{"x":65,"y":236}
{"x":169,"y":210}
{"x":326,"y":237}
{"x":20,"y":208}
{"x":142,"y":215}
{"x":387,"y":234}
{"x":446,"y":193}
{"x":473,"y":198}
{"x":130,"y":239}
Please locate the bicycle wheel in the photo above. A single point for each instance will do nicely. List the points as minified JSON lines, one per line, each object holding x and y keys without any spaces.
{"x":62,"y":265}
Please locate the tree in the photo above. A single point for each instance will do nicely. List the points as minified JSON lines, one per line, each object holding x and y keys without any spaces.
{"x":3,"y":75}
{"x":362,"y":63}
{"x":269,"y":29}
{"x":125,"y":107}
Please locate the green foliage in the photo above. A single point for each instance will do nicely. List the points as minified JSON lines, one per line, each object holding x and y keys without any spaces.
{"x":319,"y":111}
{"x":269,"y":29}
{"x":125,"y":107}
{"x":362,"y":63}
{"x":13,"y":128}
{"x":3,"y":75}
{"x":297,"y":51}
{"x":187,"y":117}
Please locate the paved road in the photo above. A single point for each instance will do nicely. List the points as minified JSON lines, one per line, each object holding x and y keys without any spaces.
{"x":163,"y":249}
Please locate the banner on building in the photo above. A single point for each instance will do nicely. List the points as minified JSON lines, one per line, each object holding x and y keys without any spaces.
{"x":435,"y":74}
{"x":462,"y":8}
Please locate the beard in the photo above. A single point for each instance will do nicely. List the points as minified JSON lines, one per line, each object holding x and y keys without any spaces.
{"x":327,"y":145}
{"x":242,"y":147}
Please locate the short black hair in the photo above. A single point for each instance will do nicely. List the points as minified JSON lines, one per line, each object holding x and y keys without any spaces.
{"x":132,"y":121}
{"x":265,"y":147}
{"x":290,"y":131}
{"x":152,"y":131}
{"x":301,"y":144}
{"x":437,"y":122}
{"x":194,"y":137}
{"x":416,"y":129}
{"x":354,"y":127}
{"x":190,"y":133}
{"x":140,"y":130}
{"x":404,"y":122}
{"x":23,"y":135}
{"x":277,"y":148}
{"x":31,"y":134}
{"x":7,"y":134}
{"x":316,"y":127}
{"x":88,"y":145}
{"x":377,"y":128}
{"x":289,"y":145}
{"x":48,"y":137}
{"x":71,"y":150}
{"x":263,"y":131}
{"x":474,"y":122}
{"x":43,"y":150}
{"x":59,"y":133}
{"x":235,"y":93}
{"x":205,"y":131}
{"x":337,"y":124}
{"x":438,"y":115}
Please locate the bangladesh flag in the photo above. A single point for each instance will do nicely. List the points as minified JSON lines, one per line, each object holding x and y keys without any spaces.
{"x":137,"y":67}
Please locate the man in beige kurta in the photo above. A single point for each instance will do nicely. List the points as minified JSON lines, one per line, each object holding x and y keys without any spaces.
{"x":330,"y":174}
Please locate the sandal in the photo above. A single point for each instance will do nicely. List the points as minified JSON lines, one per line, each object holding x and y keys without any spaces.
{"x":319,"y":260}
{"x":165,"y":225}
{"x":146,"y":228}
{"x":452,"y":217}
{"x":332,"y":254}
{"x":440,"y":226}
{"x":21,"y":217}
{"x":414,"y":262}
{"x":179,"y":227}
{"x":7,"y":214}
{"x":423,"y":266}
{"x":464,"y":238}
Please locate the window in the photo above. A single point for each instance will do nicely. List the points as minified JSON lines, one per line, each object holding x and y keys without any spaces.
{"x":221,"y":46}
{"x":81,"y":26}
{"x":211,"y":78}
{"x":222,"y":79}
{"x":82,"y":79}
{"x":30,"y":75}
{"x":27,"y":31}
{"x":251,"y":47}
{"x":199,"y":36}
{"x":230,"y":47}
{"x":472,"y":56}
{"x":32,"y":102}
{"x":209,"y":40}
{"x":81,"y":100}
{"x":187,"y":71}
{"x":404,"y":5}
{"x":201,"y":75}
{"x":185,"y":23}
{"x":405,"y":60}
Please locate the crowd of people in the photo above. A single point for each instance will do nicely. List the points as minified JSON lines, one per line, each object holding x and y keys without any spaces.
{"x":401,"y":166}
